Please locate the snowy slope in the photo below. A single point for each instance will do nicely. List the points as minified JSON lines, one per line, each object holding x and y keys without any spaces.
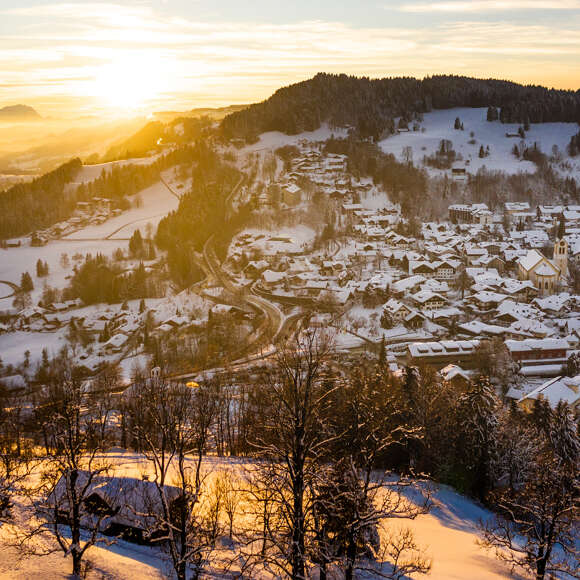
{"x":439,"y":125}
{"x":448,"y":534}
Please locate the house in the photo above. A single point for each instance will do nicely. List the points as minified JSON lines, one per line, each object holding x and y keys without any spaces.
{"x":123,"y":507}
{"x":540,"y":356}
{"x":456,"y":376}
{"x":115,"y":343}
{"x":512,"y":207}
{"x":555,"y":390}
{"x":270,"y":279}
{"x":414,"y":320}
{"x":291,"y":194}
{"x":13,"y":382}
{"x":475,"y":213}
{"x":428,"y":300}
{"x":398,"y":310}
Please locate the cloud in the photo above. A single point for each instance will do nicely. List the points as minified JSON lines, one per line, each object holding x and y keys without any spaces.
{"x":487,"y":6}
{"x":65,"y":45}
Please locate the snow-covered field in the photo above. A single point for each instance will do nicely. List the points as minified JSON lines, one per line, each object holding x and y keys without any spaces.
{"x":15,"y":261}
{"x":274,"y":139}
{"x":439,"y":125}
{"x":448,"y":534}
{"x":154,"y":202}
{"x":92,"y":172}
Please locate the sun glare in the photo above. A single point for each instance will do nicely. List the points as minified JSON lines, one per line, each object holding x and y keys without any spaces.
{"x":128,"y":83}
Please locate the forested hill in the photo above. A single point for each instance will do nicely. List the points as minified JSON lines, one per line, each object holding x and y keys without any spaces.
{"x":371,"y":105}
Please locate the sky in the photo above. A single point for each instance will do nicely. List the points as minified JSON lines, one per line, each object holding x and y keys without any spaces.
{"x":121,"y":56}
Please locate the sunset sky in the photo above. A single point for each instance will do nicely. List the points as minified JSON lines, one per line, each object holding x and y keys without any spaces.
{"x":78,"y":58}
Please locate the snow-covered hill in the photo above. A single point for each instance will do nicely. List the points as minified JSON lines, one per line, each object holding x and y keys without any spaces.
{"x":439,"y":125}
{"x":448,"y":534}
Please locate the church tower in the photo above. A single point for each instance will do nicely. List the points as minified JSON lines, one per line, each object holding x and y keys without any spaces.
{"x":561,"y":256}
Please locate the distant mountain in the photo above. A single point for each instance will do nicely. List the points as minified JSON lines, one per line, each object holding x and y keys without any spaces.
{"x":372,"y":105}
{"x":216,"y":114}
{"x":18,"y":113}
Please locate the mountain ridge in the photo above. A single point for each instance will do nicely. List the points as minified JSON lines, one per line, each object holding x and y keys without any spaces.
{"x":19,"y":113}
{"x":371,"y":106}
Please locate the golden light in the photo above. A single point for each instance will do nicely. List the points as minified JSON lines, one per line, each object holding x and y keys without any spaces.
{"x":129,"y":82}
{"x":192,"y":385}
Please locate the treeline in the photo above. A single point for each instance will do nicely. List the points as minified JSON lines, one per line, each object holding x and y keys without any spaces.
{"x":333,"y":450}
{"x":25,"y":208}
{"x":371,"y":105}
{"x":201,"y":213}
{"x":120,"y":181}
{"x":38,"y":204}
{"x":99,"y":279}
{"x":404,"y":183}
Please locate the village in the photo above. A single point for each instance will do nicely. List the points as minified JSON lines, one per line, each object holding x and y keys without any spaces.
{"x":464,"y":295}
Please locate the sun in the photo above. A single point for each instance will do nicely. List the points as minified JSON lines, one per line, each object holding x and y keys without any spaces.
{"x":127,"y":83}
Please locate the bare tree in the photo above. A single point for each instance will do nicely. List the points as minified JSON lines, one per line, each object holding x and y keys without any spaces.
{"x":290,"y":443}
{"x":370,"y":419}
{"x":173,"y":421}
{"x":72,"y":466}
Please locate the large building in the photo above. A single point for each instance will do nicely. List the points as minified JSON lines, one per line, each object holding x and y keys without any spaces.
{"x":444,"y":352}
{"x":544,"y":273}
{"x":541,"y":356}
{"x":474,"y":213}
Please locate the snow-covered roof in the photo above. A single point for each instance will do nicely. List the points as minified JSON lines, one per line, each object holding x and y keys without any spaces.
{"x":532,"y":258}
{"x":531,"y":344}
{"x":558,"y":389}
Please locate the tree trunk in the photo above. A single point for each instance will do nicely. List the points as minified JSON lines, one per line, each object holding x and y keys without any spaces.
{"x":350,"y":558}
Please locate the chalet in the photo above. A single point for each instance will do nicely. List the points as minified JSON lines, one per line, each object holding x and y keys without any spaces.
{"x":291,"y":194}
{"x":124,"y":507}
{"x":414,"y":320}
{"x":398,"y":310}
{"x":428,"y":300}
{"x":553,"y":391}
{"x":270,"y":279}
{"x":456,"y":376}
{"x":116,"y":343}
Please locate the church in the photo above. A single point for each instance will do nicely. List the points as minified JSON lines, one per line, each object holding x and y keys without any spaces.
{"x":545,"y":274}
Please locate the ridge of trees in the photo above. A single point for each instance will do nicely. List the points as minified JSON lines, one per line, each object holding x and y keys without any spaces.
{"x":38,"y":204}
{"x":27,"y":207}
{"x":201,"y":213}
{"x":371,"y":105}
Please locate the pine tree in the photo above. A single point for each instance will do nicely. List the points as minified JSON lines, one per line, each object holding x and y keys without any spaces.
{"x":561,"y":228}
{"x":492,"y":114}
{"x":26,"y":284}
{"x":136,"y":244}
{"x":477,"y":434}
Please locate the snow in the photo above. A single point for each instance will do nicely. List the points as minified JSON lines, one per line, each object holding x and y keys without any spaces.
{"x":275,"y":139}
{"x":91,"y":172}
{"x":439,"y":125}
{"x":14,"y":344}
{"x":15,"y":261}
{"x":156,"y":201}
{"x":448,"y":534}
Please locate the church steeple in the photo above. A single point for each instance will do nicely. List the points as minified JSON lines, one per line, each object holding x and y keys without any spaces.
{"x":561,"y":255}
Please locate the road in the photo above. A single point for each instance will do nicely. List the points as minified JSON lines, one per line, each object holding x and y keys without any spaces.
{"x":275,"y":328}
